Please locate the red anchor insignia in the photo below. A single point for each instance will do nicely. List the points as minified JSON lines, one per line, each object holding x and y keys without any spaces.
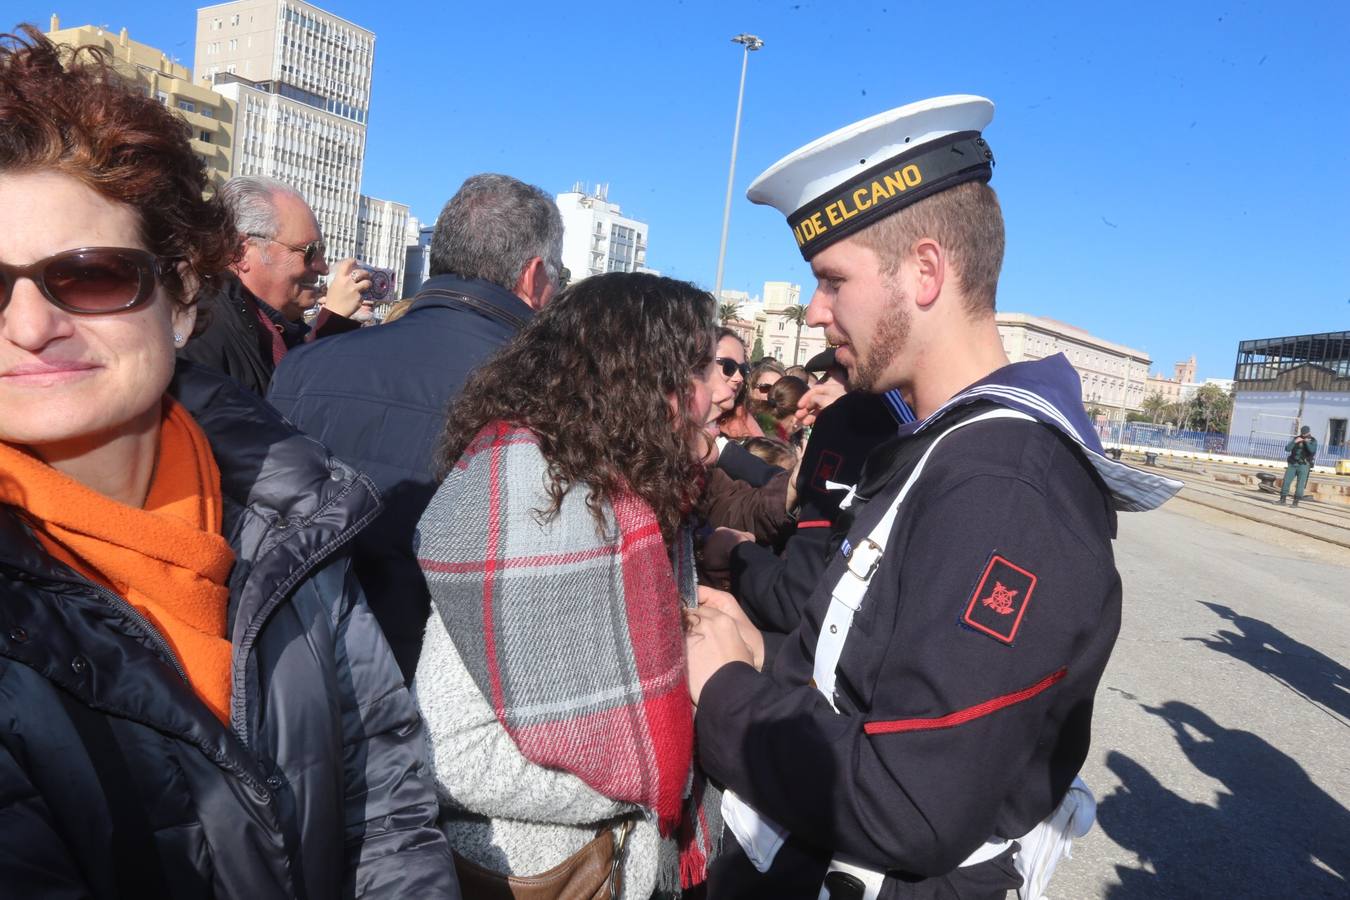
{"x":1001,"y":600}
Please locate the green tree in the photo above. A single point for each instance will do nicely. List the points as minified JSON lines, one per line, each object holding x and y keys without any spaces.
{"x":1093,"y":412}
{"x":1208,"y":409}
{"x":728,"y":311}
{"x":1155,"y":407}
{"x":757,"y":351}
{"x":796,"y":313}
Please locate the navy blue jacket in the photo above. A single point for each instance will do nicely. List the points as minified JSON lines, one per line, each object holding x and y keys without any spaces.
{"x":377,"y":398}
{"x":964,"y":691}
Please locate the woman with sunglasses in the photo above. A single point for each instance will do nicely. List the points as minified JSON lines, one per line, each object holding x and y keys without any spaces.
{"x":196,"y":700}
{"x":733,"y":419}
{"x":558,"y":559}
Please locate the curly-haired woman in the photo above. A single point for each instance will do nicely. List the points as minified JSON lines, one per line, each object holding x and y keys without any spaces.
{"x":196,"y":701}
{"x":552,"y":673}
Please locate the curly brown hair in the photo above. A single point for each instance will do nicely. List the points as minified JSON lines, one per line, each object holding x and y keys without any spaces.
{"x":67,"y":110}
{"x":591,"y":375}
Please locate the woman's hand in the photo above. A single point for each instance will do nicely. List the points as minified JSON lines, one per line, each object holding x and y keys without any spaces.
{"x":727,"y":605}
{"x":711,"y":641}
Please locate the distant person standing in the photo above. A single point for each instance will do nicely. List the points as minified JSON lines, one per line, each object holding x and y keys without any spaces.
{"x":1301,"y":451}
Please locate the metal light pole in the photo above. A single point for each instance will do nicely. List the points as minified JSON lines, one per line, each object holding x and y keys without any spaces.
{"x":749,"y":42}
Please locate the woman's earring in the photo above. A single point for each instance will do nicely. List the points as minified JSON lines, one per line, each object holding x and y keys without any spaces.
{"x":177,"y":339}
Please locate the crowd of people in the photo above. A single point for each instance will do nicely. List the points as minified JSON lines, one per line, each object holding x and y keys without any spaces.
{"x":532,"y":591}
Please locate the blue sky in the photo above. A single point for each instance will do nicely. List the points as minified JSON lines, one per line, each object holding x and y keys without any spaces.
{"x":1174,"y":176}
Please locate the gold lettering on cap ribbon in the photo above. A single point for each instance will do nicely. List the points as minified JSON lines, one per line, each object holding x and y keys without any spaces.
{"x":880,"y":190}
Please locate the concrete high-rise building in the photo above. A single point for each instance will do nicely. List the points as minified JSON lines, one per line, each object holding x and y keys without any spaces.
{"x":382,"y":237}
{"x":290,"y":48}
{"x":301,"y":80}
{"x":211,"y":117}
{"x":597,"y":237}
{"x":1113,"y":376}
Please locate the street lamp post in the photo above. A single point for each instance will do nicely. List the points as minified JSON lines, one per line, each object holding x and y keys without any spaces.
{"x":749,"y":42}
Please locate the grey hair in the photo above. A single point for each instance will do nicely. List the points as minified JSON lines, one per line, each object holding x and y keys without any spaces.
{"x":250,"y":198}
{"x":492,"y":227}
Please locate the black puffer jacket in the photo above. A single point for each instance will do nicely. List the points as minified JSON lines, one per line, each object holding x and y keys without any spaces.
{"x":115,"y":781}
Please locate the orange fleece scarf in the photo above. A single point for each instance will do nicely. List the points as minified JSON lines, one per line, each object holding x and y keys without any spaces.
{"x":168,"y":560}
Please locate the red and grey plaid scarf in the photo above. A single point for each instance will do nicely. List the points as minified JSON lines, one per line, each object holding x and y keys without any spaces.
{"x":573,"y":634}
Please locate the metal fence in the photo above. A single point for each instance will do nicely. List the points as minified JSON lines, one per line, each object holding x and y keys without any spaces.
{"x":1254,"y":446}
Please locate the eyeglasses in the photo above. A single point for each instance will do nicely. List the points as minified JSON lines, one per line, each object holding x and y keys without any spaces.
{"x":90,"y":281}
{"x":311,"y":251}
{"x":765,"y":388}
{"x":730,"y":367}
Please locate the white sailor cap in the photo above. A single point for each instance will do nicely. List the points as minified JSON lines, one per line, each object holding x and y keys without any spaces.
{"x":841,"y":183}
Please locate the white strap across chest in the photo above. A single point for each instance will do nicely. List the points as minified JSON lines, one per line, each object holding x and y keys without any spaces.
{"x":864,"y":559}
{"x":761,"y":838}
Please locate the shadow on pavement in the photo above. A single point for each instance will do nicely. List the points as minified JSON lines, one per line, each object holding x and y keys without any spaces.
{"x":1267,"y":649}
{"x":1268,"y":825}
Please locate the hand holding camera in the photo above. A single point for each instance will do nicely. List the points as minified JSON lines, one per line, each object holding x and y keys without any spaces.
{"x":345,"y":287}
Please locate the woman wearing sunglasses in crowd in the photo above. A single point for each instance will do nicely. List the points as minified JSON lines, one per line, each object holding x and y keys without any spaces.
{"x":762,"y":377}
{"x":733,"y":419}
{"x":558,"y":558}
{"x":196,"y":701}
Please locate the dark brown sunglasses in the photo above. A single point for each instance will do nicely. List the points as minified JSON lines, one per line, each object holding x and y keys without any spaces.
{"x":90,"y":281}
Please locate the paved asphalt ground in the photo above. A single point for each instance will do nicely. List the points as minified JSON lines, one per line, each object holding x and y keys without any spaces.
{"x":1221,"y":749}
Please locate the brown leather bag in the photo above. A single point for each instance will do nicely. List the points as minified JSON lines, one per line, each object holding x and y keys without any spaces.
{"x":592,"y":873}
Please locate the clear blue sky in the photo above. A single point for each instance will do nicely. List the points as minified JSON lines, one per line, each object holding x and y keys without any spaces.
{"x":1175,"y":177}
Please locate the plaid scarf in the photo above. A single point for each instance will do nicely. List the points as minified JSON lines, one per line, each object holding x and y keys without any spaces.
{"x":573,"y":634}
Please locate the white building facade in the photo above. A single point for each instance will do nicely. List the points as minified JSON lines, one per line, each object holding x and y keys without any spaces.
{"x":597,"y":236}
{"x":301,"y":78}
{"x":778,"y":334}
{"x":382,"y":237}
{"x":1114,"y":377}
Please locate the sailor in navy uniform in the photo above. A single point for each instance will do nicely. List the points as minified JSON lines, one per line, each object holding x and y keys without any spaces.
{"x":920,"y":731}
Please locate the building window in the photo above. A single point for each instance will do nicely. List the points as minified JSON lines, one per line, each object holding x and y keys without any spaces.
{"x":208,"y":112}
{"x":187,"y":106}
{"x":204,"y":137}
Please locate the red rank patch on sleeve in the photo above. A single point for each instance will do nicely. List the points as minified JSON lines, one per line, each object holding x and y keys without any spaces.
{"x":1000,"y":599}
{"x":826,"y":468}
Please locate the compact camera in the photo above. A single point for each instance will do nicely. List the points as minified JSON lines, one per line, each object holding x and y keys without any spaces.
{"x":381,"y":283}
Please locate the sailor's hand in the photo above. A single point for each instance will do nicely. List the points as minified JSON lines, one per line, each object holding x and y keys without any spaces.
{"x":711,"y":641}
{"x":816,"y":399}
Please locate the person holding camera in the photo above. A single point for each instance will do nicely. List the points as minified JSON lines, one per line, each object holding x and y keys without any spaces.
{"x":256,"y":315}
{"x":1301,"y":451}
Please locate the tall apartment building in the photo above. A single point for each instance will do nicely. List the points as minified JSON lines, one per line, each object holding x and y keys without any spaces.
{"x":211,"y":117}
{"x":1113,"y":376}
{"x":301,"y":80}
{"x":598,"y":237}
{"x":382,"y":237}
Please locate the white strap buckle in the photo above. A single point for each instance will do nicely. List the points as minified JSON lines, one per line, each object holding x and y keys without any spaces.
{"x":865,"y":557}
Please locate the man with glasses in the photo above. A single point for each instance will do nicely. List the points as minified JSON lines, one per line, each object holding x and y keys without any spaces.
{"x":256,"y":315}
{"x":377,"y":398}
